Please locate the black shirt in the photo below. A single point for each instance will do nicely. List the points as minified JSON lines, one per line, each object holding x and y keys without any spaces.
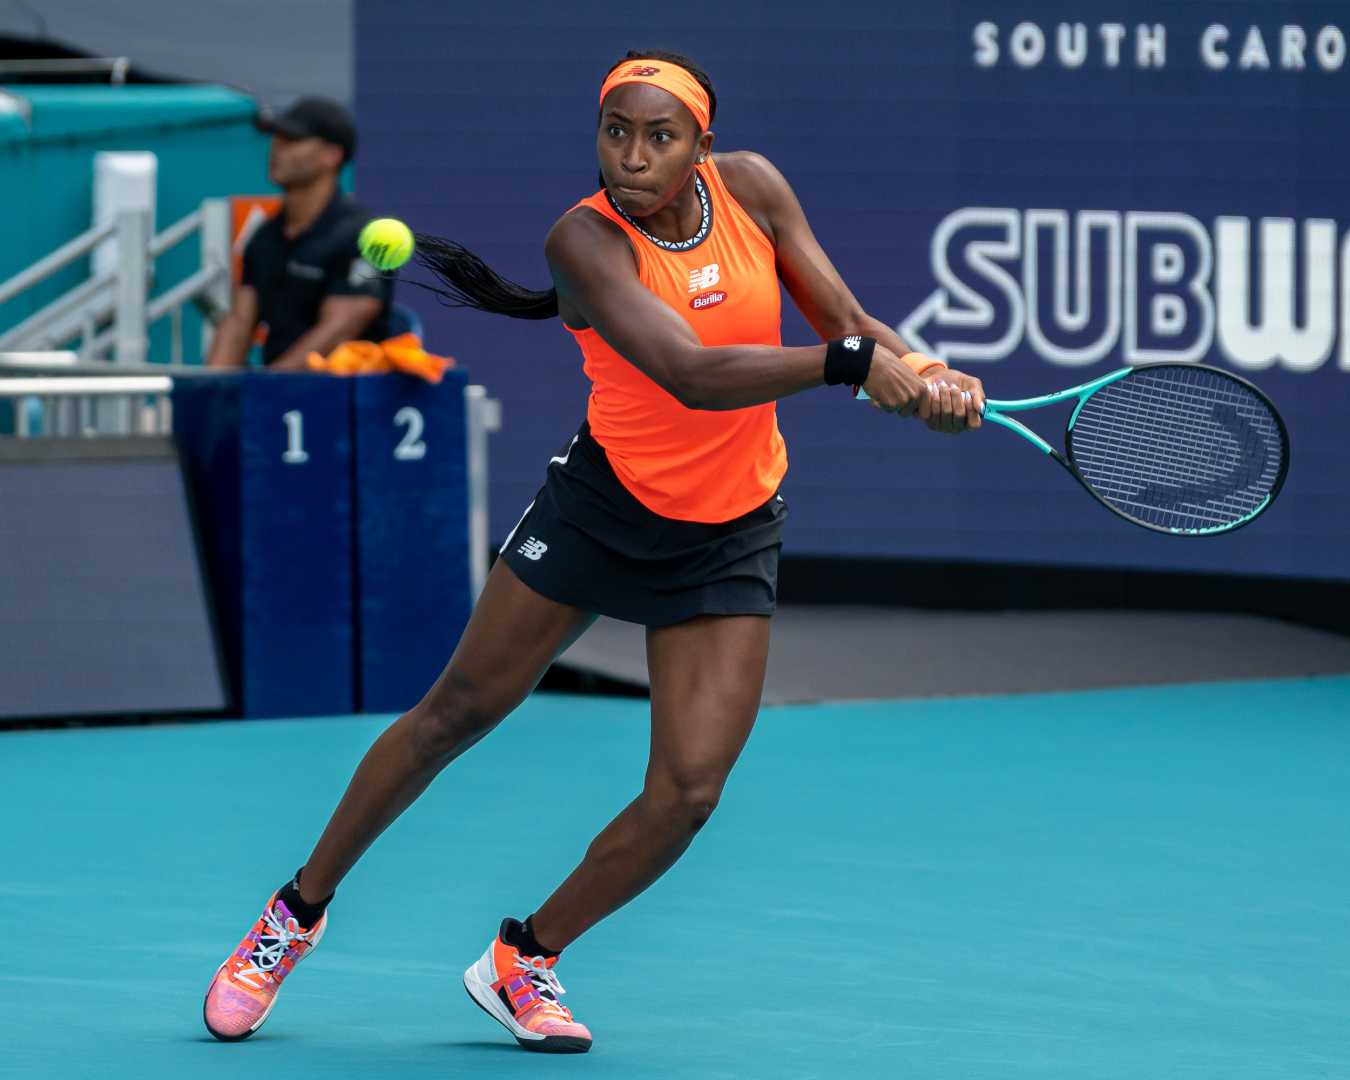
{"x":293,"y":277}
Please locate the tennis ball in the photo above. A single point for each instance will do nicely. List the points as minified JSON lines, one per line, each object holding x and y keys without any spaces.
{"x":386,"y":243}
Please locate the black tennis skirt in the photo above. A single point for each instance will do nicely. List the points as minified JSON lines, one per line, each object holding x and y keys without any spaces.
{"x":588,"y":542}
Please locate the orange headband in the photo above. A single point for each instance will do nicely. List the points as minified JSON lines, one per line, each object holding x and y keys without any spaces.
{"x":671,"y":78}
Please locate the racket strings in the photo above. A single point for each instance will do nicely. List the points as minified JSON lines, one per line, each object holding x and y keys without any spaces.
{"x":1152,"y":449}
{"x":1199,"y":462}
{"x":1180,"y":449}
{"x":1165,"y":479}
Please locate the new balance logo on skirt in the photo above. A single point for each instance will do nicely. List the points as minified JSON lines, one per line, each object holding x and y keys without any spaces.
{"x":533,"y":549}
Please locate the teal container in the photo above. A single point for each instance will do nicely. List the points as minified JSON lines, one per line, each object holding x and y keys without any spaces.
{"x":206,"y":145}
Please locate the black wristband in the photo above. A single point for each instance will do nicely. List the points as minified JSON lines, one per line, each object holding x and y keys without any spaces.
{"x":848,"y":360}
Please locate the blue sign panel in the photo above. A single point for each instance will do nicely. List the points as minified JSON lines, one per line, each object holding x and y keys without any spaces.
{"x":1038,"y":196}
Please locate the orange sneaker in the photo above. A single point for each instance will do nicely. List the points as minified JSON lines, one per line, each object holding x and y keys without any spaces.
{"x":244,"y":988}
{"x":521,"y":993}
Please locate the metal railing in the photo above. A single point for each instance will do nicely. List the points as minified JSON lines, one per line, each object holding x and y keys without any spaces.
{"x":72,"y":406}
{"x":110,"y":315}
{"x":483,"y":415}
{"x":77,"y":404}
{"x":117,"y":67}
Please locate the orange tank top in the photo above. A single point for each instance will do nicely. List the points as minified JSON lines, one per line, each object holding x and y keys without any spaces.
{"x":692,"y":464}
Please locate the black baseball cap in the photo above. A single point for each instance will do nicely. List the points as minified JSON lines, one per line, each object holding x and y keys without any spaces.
{"x":312,"y":118}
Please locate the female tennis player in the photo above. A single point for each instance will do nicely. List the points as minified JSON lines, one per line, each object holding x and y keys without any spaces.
{"x":663,"y":510}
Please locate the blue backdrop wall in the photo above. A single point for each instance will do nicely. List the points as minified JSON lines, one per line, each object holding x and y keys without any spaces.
{"x":1038,"y":198}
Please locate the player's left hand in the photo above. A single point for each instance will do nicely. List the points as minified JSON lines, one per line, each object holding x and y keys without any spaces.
{"x":954,"y":402}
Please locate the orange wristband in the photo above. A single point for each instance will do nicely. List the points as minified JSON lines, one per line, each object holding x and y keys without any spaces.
{"x":920,"y":363}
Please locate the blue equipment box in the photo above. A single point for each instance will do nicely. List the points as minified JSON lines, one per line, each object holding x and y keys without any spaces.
{"x":412,"y":526}
{"x":270,"y":461}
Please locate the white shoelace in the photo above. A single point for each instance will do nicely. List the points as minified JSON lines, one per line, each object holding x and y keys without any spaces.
{"x":545,"y":982}
{"x":271,"y":948}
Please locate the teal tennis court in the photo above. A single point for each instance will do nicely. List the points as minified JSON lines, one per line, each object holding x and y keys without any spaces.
{"x":1145,"y":883}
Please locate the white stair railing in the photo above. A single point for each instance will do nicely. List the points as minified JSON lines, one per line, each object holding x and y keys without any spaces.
{"x":110,"y":316}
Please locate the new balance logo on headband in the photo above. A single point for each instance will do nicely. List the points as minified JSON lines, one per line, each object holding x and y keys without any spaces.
{"x":640,"y":70}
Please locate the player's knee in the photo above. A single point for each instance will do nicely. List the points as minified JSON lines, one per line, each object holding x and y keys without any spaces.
{"x":688,"y":797}
{"x":452,"y":719}
{"x":699,"y":806}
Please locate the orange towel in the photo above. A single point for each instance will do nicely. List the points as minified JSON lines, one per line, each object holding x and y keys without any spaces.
{"x":403,"y":353}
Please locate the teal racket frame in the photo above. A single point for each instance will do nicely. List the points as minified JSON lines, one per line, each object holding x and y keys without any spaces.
{"x":996,"y":412}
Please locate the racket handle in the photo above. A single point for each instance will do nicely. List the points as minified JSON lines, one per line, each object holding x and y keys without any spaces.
{"x":860,"y":394}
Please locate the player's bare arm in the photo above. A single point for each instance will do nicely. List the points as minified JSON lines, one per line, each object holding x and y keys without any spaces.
{"x":953,"y":399}
{"x":598,"y":286}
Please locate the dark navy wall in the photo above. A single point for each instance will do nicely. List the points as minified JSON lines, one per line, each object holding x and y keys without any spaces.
{"x":940,"y":161}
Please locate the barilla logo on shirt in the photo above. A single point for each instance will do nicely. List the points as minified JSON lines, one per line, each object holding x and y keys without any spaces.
{"x":707,"y":299}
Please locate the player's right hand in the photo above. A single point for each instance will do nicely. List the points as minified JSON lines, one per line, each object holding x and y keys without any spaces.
{"x":892,"y":385}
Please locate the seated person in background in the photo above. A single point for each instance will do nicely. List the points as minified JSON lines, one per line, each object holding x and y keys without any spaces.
{"x":303,"y":275}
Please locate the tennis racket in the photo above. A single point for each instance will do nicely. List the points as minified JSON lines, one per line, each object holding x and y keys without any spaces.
{"x":1184,"y":449}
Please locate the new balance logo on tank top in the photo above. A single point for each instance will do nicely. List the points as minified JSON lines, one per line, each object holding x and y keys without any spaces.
{"x":691,"y":464}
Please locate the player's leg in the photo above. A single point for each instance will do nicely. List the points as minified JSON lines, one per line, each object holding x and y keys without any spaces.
{"x":707,"y":676}
{"x":512,"y":637}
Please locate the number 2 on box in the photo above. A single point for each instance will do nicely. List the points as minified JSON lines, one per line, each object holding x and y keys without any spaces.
{"x":410,"y":447}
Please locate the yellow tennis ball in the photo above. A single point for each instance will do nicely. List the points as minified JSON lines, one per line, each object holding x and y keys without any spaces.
{"x":386,"y":243}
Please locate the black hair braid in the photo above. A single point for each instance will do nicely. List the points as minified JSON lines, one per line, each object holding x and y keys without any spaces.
{"x":469,"y":282}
